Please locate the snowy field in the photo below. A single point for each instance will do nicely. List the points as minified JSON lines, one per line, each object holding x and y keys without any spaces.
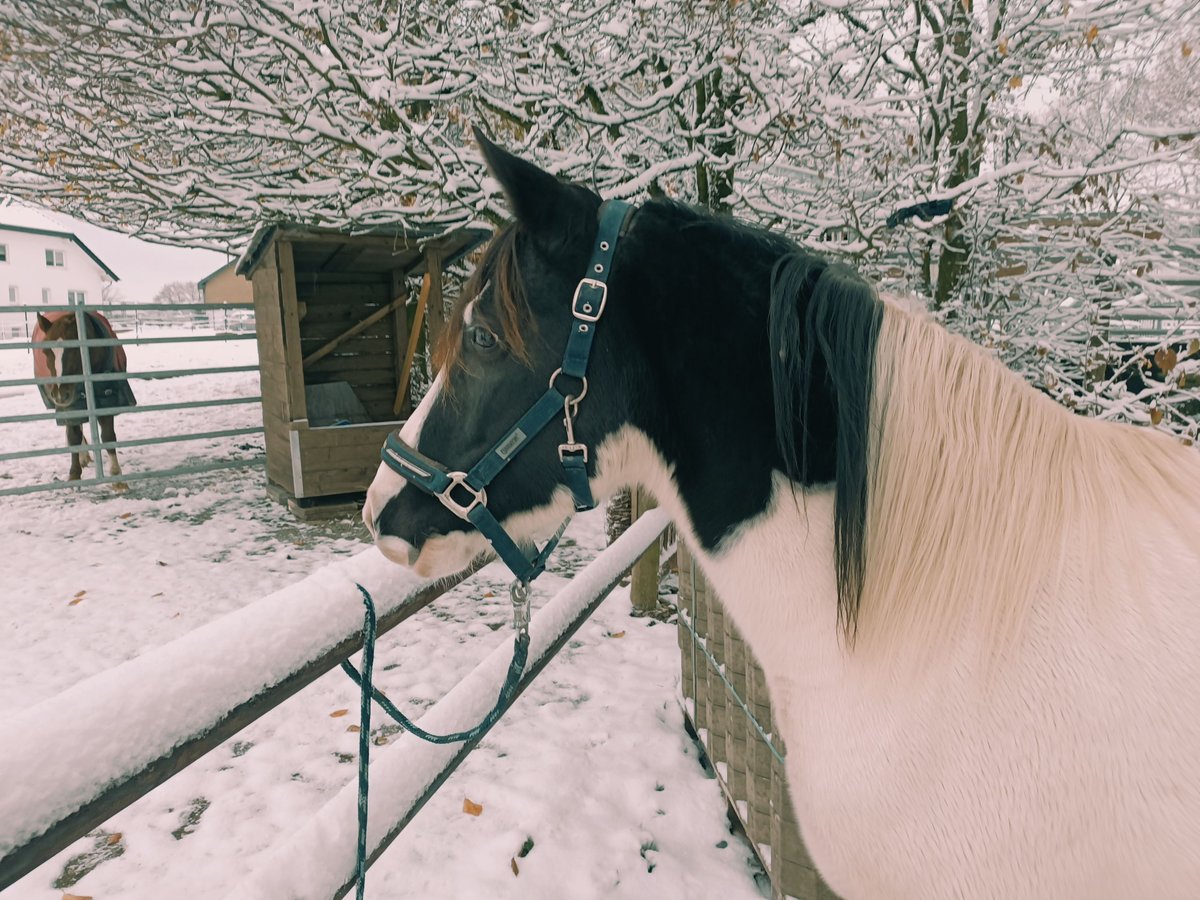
{"x":591,"y":774}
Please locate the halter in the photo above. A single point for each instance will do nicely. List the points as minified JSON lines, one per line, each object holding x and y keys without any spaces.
{"x":465,"y":493}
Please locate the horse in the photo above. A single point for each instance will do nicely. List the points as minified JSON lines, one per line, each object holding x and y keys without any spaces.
{"x":54,"y":361}
{"x":978,"y":613}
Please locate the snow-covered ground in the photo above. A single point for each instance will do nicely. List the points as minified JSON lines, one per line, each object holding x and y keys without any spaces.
{"x":591,"y":774}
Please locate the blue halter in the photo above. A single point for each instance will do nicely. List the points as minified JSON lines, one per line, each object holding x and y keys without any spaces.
{"x":465,"y":493}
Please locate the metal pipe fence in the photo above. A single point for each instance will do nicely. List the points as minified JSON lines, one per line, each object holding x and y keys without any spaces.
{"x":89,"y":414}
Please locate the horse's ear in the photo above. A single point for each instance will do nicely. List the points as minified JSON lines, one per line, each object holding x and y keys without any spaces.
{"x":43,"y":323}
{"x":547,"y":208}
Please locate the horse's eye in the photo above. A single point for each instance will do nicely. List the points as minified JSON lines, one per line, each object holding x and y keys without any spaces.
{"x":482,"y":338}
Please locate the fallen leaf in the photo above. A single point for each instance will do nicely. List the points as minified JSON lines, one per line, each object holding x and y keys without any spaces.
{"x":125,"y":515}
{"x":80,"y":593}
{"x":75,"y":602}
{"x":354,"y":728}
{"x":159,"y":594}
{"x":472,"y":809}
{"x":160,"y":562}
{"x":338,"y":713}
{"x":1194,"y":347}
{"x":515,"y":868}
{"x":1187,"y":49}
{"x":615,"y":634}
{"x":1156,"y":416}
{"x":1003,"y":47}
{"x":114,"y":839}
{"x":1166,"y":358}
{"x":1015,"y":82}
{"x":489,"y":595}
{"x":76,"y":897}
{"x":1091,"y":34}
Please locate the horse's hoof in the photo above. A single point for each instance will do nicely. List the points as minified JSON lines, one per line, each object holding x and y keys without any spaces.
{"x":120,"y":487}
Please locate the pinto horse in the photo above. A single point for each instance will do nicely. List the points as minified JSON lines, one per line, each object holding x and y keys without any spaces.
{"x":978,"y":614}
{"x":52,"y":360}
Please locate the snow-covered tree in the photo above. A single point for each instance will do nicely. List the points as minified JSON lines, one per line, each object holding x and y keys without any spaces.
{"x":1020,"y":164}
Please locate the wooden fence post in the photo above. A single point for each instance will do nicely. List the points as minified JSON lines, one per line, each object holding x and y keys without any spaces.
{"x":643,"y":590}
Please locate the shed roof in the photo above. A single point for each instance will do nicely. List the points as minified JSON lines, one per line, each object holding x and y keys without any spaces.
{"x":378,"y":249}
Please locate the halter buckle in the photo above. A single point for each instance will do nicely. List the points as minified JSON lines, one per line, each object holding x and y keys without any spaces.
{"x":518,"y":591}
{"x":459,"y":479}
{"x":588,"y":309}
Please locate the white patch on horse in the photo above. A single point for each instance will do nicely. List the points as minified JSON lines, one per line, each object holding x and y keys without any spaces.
{"x":56,"y":358}
{"x":469,"y":313}
{"x":387,"y":483}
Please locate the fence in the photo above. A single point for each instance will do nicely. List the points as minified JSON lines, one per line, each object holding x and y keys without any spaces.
{"x":149,"y":336}
{"x":280,"y":644}
{"x":725,"y":693}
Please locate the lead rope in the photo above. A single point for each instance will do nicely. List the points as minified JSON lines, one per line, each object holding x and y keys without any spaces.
{"x":518,"y":591}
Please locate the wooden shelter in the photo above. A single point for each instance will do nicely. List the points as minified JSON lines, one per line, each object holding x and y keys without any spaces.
{"x":338,"y":328}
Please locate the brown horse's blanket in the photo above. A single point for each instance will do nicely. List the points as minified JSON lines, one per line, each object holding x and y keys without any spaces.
{"x":108,"y":394}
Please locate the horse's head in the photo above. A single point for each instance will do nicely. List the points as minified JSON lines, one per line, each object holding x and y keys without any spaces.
{"x":61,"y":361}
{"x":503,"y":344}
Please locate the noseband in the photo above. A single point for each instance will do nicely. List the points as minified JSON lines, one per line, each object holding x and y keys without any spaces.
{"x":465,"y":493}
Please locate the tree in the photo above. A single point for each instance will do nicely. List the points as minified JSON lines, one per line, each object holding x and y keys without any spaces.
{"x":1015,"y":163}
{"x":177,"y":292}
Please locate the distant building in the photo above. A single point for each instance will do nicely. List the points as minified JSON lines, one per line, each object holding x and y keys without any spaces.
{"x":226,"y":286}
{"x":42,"y":265}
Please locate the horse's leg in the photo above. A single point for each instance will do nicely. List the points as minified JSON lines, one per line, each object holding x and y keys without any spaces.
{"x":78,"y":460}
{"x":108,"y":434}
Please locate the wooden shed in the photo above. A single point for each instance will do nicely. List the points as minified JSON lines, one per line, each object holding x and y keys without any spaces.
{"x":339,"y":319}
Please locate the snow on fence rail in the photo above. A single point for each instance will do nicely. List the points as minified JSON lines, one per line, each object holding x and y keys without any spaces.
{"x":238,"y":668}
{"x":89,"y":417}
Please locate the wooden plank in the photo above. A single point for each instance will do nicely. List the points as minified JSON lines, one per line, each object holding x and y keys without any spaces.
{"x":435,"y":315}
{"x":362,"y":326}
{"x":400,"y":339}
{"x":411,"y":352}
{"x":345,"y":435}
{"x":643,"y":590}
{"x":298,"y":405}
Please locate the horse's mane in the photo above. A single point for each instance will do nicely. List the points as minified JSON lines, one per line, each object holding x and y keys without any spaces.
{"x":980,"y":489}
{"x":830,"y":345}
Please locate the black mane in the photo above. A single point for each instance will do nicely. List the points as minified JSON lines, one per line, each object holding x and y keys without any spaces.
{"x":833,"y":345}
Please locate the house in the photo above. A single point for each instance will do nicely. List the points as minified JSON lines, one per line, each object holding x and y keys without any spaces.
{"x":226,"y":286}
{"x":42,"y":265}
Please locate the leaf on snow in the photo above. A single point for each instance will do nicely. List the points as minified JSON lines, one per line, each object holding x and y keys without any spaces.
{"x":516,"y":869}
{"x":472,"y":809}
{"x":355,"y":728}
{"x":338,"y":713}
{"x":615,"y":634}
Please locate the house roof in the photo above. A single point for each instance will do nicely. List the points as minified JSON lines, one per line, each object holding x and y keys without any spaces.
{"x":48,"y":232}
{"x":213,"y":274}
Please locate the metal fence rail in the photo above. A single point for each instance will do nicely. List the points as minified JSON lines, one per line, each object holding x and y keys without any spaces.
{"x":89,"y":416}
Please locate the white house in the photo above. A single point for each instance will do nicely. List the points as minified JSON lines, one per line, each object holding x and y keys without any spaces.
{"x":42,"y":265}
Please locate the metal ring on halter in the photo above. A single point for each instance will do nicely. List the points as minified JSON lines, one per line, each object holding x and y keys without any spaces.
{"x":575,"y":401}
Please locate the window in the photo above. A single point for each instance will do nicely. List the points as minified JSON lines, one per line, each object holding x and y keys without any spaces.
{"x":14,"y":295}
{"x":75,"y":296}
{"x":16,"y":331}
{"x":54,"y":259}
{"x":3,"y":252}
{"x":45,"y":295}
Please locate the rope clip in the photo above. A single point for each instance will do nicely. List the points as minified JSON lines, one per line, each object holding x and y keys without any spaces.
{"x":519,"y":592}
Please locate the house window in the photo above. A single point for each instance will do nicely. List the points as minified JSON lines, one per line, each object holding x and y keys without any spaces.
{"x":45,"y":295}
{"x":3,"y":252}
{"x":16,"y":331}
{"x":54,"y":259}
{"x":14,"y":295}
{"x":75,"y":296}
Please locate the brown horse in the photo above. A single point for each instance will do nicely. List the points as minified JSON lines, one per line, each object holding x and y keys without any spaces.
{"x":54,"y":361}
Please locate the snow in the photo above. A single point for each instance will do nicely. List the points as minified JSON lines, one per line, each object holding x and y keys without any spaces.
{"x":592,"y":763}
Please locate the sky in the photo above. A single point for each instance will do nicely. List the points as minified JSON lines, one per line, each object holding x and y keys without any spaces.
{"x":142,"y":267}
